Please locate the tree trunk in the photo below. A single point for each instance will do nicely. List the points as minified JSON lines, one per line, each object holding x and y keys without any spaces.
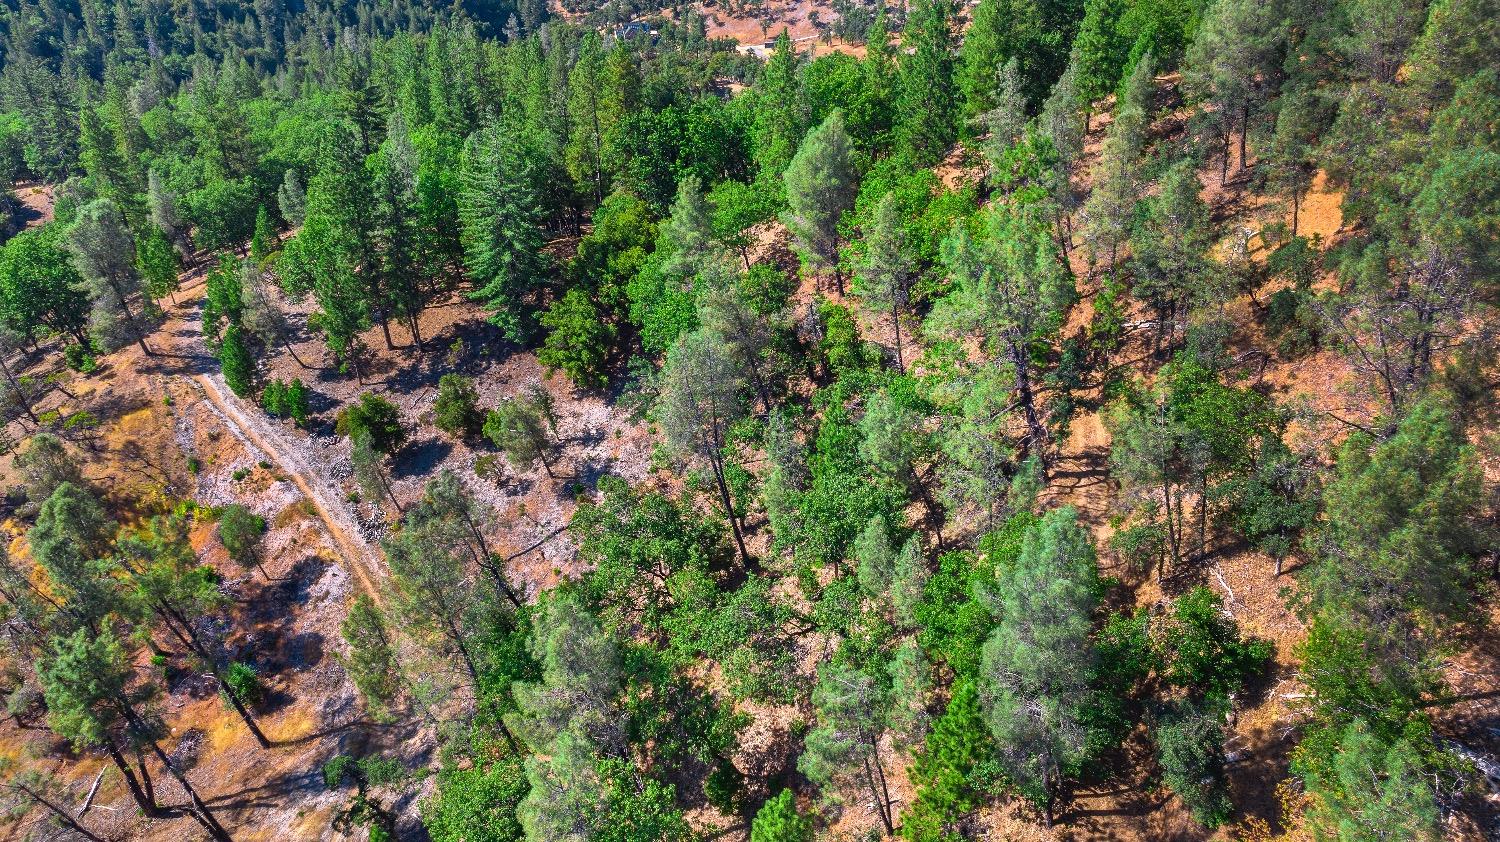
{"x":1244,"y":134}
{"x":62,"y":815}
{"x":1026,"y":395}
{"x":135,"y":326}
{"x":1296,"y":207}
{"x":240,"y":708}
{"x":287,"y":344}
{"x":144,"y":798}
{"x":385,"y":329}
{"x":1224,"y":160}
{"x":20,"y":393}
{"x":416,"y":331}
{"x":896,"y":320}
{"x":875,"y":794}
{"x":751,"y":565}
{"x":200,"y":810}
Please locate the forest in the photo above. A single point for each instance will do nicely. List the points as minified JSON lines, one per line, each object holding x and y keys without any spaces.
{"x":502,"y":421}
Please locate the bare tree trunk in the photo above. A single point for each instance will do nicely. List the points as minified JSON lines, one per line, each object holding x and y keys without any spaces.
{"x":20,"y":393}
{"x":896,"y":320}
{"x":62,"y":815}
{"x":750,"y":564}
{"x":144,"y":797}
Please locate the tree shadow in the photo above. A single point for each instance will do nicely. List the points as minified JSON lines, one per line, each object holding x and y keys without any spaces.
{"x":421,"y":458}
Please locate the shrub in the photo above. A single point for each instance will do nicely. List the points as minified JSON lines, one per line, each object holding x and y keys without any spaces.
{"x":244,"y":682}
{"x":375,"y":418}
{"x":1202,"y":649}
{"x":457,"y":407}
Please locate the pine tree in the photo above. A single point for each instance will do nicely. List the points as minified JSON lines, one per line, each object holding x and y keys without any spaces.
{"x":852,"y":709}
{"x":686,"y":236}
{"x":236,"y":363}
{"x":162,"y":203}
{"x":928,"y":102}
{"x":820,"y":187}
{"x":1034,"y":675}
{"x":885,"y":277}
{"x":1012,"y":291}
{"x":398,"y":242}
{"x":781,"y":116}
{"x":371,"y":662}
{"x":241,"y":531}
{"x":1101,"y":49}
{"x":264,"y":239}
{"x":85,"y":681}
{"x":1006,"y":120}
{"x":103,"y":251}
{"x":519,"y":427}
{"x":588,"y":115}
{"x":158,"y":263}
{"x":779,"y":820}
{"x":699,"y":402}
{"x":500,"y":214}
{"x":291,"y":199}
{"x":1117,"y":187}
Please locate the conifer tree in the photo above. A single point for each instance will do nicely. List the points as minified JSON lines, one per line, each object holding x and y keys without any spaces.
{"x":291,"y":199}
{"x":1036,"y":664}
{"x":686,"y":236}
{"x":927,"y":103}
{"x":1011,"y":291}
{"x":885,"y":276}
{"x":1006,"y":120}
{"x":398,"y":241}
{"x":103,"y":251}
{"x":331,"y":255}
{"x":235,"y":361}
{"x":500,"y":214}
{"x":781,"y":117}
{"x":699,"y":402}
{"x":162,"y":203}
{"x":779,"y":820}
{"x":852,"y":709}
{"x":371,"y":662}
{"x":820,"y":186}
{"x":85,"y":681}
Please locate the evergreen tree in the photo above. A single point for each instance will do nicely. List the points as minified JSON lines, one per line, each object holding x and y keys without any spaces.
{"x":236,"y":363}
{"x":371,"y":662}
{"x":291,"y":199}
{"x":522,"y":428}
{"x":885,"y":277}
{"x":699,"y":402}
{"x":398,"y":242}
{"x":500,"y":214}
{"x":928,"y":102}
{"x":456,"y":408}
{"x":778,"y":820}
{"x":241,"y":531}
{"x":1190,"y":749}
{"x":1012,"y":291}
{"x":852,"y":710}
{"x":820,"y":187}
{"x":85,"y":681}
{"x":1037,"y":662}
{"x":332,"y":253}
{"x":103,"y":251}
{"x":686,"y":236}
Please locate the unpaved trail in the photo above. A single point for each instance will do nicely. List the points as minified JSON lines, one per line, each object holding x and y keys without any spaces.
{"x":184,"y":337}
{"x":270,"y":441}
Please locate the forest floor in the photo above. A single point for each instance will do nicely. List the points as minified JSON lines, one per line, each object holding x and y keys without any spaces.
{"x":157,"y":413}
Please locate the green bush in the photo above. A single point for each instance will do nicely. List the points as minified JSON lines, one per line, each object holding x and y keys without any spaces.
{"x":244,"y":682}
{"x":456,"y":409}
{"x":375,"y":418}
{"x":1202,"y":650}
